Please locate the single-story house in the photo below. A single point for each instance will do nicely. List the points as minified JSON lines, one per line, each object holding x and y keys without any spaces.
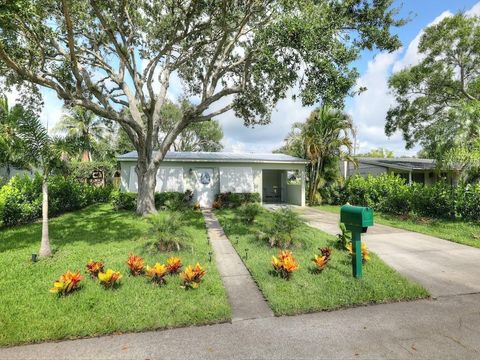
{"x":210,"y":173}
{"x":421,"y":171}
{"x":7,"y":172}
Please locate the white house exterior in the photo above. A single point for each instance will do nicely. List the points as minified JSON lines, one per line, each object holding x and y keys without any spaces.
{"x":210,"y":173}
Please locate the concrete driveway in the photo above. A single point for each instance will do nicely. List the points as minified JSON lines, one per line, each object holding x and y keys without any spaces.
{"x":443,"y":267}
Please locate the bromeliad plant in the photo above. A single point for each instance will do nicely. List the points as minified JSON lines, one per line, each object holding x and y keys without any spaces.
{"x":174,"y":265}
{"x":285,"y":264}
{"x":135,"y":264}
{"x":94,"y":267}
{"x":321,"y":261}
{"x":192,"y":276}
{"x":67,"y":283}
{"x":109,"y":279}
{"x":156,"y":273}
{"x":365,"y":252}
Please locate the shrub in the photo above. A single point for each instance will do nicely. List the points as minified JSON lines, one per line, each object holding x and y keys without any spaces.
{"x":321,"y":261}
{"x":168,"y":231}
{"x":437,"y":201}
{"x":67,"y":283}
{"x":94,"y":267}
{"x":285,"y":264}
{"x":281,"y":232}
{"x":21,"y":198}
{"x":233,"y":200}
{"x":344,"y":237}
{"x":216,"y":204}
{"x":174,"y":264}
{"x":468,"y":202}
{"x":248,"y":212}
{"x":123,"y":200}
{"x":109,"y":279}
{"x":156,"y":273}
{"x":192,"y":276}
{"x":174,"y":201}
{"x":135,"y":264}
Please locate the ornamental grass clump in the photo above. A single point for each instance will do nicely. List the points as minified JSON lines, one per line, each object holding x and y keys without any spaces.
{"x":192,"y":276}
{"x":67,"y":283}
{"x":321,"y":261}
{"x":135,"y":264}
{"x":365,"y":252}
{"x":285,"y":264}
{"x":156,"y":274}
{"x":174,"y":264}
{"x":109,"y":279}
{"x":94,"y":267}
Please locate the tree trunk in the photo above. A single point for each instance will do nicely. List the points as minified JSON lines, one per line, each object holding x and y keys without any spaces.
{"x":45,"y":244}
{"x":147,"y":181}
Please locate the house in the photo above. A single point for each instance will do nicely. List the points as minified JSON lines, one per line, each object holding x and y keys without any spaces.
{"x":210,"y":173}
{"x":7,"y":172}
{"x":421,"y":171}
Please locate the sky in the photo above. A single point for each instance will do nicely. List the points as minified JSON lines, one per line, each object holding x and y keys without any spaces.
{"x":368,"y":110}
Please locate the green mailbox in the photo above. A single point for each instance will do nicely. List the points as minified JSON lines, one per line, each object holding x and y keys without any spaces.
{"x":356,"y":219}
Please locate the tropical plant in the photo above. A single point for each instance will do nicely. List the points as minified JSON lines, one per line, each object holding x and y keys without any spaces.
{"x":364,"y":250}
{"x":83,"y":129}
{"x":156,"y":273}
{"x":323,"y":139}
{"x":281,"y":231}
{"x":135,"y":264}
{"x":174,"y":264}
{"x":109,"y":279}
{"x":192,"y":276}
{"x":43,"y":152}
{"x":285,"y":264}
{"x":321,"y":261}
{"x":168,"y":231}
{"x":118,"y":59}
{"x":94,"y":267}
{"x":344,"y":237}
{"x":67,"y":283}
{"x":248,"y":212}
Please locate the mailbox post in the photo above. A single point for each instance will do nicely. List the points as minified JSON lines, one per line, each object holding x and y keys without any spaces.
{"x":357,"y":219}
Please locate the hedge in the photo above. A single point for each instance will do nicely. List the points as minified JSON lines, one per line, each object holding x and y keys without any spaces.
{"x":128,"y":200}
{"x":233,"y":200}
{"x":21,"y":198}
{"x":391,"y":194}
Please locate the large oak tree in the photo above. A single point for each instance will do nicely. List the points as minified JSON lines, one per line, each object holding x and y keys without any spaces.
{"x":119,"y":58}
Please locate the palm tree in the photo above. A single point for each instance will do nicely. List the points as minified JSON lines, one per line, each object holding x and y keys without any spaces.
{"x":325,"y":136}
{"x":43,"y":152}
{"x":83,"y":128}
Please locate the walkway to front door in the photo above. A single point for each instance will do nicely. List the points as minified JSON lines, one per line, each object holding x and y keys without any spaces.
{"x":245,"y":299}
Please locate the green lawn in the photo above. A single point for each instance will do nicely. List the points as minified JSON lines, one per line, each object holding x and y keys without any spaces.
{"x":307,"y":291}
{"x":467,"y":233}
{"x":29,"y":313}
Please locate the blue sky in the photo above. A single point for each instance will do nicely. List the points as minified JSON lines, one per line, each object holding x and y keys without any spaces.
{"x":367,"y":110}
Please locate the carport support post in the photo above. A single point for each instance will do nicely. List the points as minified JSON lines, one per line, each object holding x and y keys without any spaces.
{"x":357,"y":254}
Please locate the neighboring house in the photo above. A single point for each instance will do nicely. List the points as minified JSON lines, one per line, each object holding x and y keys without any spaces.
{"x":421,"y":171}
{"x":210,"y":173}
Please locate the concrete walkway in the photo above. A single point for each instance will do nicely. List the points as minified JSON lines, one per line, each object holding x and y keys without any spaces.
{"x":245,"y":299}
{"x":447,"y":328}
{"x":443,"y":267}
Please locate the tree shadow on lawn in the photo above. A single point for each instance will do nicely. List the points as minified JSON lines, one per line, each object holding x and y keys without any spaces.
{"x":92,"y":225}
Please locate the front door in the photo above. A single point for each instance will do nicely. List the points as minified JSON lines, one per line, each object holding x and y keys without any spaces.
{"x":204,"y":191}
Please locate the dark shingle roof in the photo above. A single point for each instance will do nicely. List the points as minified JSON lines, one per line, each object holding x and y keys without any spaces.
{"x":221,"y":157}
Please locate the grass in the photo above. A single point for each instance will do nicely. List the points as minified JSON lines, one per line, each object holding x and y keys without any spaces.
{"x":462,"y":232}
{"x":29,"y":313}
{"x":307,"y":291}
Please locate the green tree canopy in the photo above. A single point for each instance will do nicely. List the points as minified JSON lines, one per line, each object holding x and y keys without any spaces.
{"x":119,"y":58}
{"x":378,"y":153}
{"x":438,"y":100}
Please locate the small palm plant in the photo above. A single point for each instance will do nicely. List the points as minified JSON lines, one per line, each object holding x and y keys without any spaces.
{"x":44,"y":153}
